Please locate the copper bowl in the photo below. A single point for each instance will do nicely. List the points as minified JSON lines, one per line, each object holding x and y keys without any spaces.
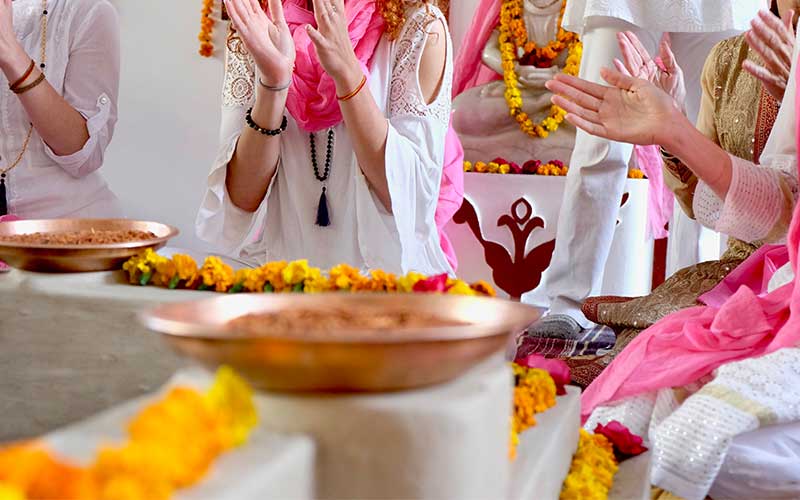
{"x":77,"y":258}
{"x":344,"y":361}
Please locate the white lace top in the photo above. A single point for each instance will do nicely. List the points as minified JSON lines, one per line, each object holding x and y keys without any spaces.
{"x":83,"y":66}
{"x":362,"y":233}
{"x":677,"y":16}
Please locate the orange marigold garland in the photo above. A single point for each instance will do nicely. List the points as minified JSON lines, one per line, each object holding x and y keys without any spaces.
{"x":534,"y":392}
{"x":510,"y":35}
{"x":206,"y":29}
{"x":171,"y":445}
{"x":528,"y":52}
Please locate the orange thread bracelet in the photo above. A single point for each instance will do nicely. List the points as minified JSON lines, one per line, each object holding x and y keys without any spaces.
{"x":355,"y":92}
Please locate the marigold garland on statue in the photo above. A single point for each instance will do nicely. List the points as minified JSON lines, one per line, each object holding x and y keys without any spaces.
{"x":181,"y":271}
{"x":171,"y":445}
{"x":527,"y":51}
{"x":511,"y":16}
{"x":206,"y":29}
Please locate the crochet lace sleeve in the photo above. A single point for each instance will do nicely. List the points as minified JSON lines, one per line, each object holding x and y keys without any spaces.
{"x":759,"y":203}
{"x":406,"y":97}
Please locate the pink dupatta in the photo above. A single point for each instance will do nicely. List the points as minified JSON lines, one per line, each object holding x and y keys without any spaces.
{"x":690,"y":344}
{"x":312,"y":97}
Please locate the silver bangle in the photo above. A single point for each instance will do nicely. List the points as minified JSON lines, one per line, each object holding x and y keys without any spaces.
{"x":274,"y":89}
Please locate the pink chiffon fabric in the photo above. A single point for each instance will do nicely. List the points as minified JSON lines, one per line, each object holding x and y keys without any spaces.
{"x":690,"y":344}
{"x":754,"y":273}
{"x":313,"y":104}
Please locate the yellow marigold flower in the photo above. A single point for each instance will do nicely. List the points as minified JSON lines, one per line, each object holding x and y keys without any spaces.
{"x":459,"y":287}
{"x":256,"y":279}
{"x":128,"y":487}
{"x":10,"y":492}
{"x":406,"y":283}
{"x":493,"y":167}
{"x":635,"y":173}
{"x":380,"y":281}
{"x":513,"y":442}
{"x":467,"y":166}
{"x":504,"y":168}
{"x":273,"y":272}
{"x":534,"y":393}
{"x":481,"y":167}
{"x":295,"y":273}
{"x":216,"y":274}
{"x":165,"y":272}
{"x":316,"y":282}
{"x":231,"y":398}
{"x":186,"y":269}
{"x":345,"y":277}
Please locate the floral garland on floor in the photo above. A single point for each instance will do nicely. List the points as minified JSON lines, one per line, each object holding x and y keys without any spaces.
{"x":530,"y":167}
{"x":171,"y":445}
{"x":206,"y":29}
{"x":510,"y":35}
{"x":181,"y":271}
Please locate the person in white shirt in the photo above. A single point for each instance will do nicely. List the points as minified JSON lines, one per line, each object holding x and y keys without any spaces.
{"x":598,"y":166}
{"x":60,"y":62}
{"x":359,"y":188}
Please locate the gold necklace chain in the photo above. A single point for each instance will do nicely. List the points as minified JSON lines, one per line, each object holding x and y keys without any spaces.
{"x":43,"y":59}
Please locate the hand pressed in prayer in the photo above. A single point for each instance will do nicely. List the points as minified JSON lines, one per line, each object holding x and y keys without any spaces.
{"x":332,"y":41}
{"x":773,"y":40}
{"x":637,"y":63}
{"x":632,"y":110}
{"x":267,"y":39}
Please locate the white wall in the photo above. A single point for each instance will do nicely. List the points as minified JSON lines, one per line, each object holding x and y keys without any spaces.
{"x":166,"y":137}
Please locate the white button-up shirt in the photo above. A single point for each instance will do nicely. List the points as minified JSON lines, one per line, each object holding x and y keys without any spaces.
{"x":83,"y":65}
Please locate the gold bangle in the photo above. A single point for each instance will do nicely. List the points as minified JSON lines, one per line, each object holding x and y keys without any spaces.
{"x":355,"y":92}
{"x":22,"y":90}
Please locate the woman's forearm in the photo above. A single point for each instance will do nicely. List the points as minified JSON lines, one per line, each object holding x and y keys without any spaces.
{"x":255,"y":160}
{"x":59,"y":125}
{"x":709,"y":162}
{"x":368,"y":130}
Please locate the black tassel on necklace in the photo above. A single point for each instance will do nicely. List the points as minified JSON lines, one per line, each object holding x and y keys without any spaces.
{"x":323,"y":217}
{"x":3,"y":199}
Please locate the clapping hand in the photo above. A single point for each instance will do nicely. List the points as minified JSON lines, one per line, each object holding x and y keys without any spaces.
{"x":332,"y":42}
{"x":773,"y":40}
{"x":267,"y":39}
{"x":637,"y":63}
{"x":631,"y":110}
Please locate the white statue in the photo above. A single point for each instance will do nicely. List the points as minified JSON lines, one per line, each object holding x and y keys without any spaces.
{"x":482,"y":119}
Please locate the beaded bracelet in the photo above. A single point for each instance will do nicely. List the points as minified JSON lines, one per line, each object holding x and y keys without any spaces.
{"x":253,"y":125}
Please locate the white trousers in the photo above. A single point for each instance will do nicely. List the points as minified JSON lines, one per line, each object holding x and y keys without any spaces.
{"x":599,"y":167}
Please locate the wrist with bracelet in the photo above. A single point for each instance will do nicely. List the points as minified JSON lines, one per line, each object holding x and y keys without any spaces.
{"x":265,"y":131}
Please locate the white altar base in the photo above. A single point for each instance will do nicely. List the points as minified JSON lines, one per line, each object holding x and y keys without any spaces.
{"x":630,"y":264}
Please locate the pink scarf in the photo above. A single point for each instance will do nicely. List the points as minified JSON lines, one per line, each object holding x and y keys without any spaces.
{"x":312,"y":97}
{"x":690,"y":344}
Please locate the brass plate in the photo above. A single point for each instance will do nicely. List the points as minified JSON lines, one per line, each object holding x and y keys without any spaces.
{"x":77,"y":258}
{"x":344,"y":361}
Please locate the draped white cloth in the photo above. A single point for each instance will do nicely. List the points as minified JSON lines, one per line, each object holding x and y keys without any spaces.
{"x":676,"y":16}
{"x":362,"y":232}
{"x":83,"y":65}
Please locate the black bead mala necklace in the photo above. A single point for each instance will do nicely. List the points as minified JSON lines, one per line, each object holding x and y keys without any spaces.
{"x":18,"y":160}
{"x":323,"y":217}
